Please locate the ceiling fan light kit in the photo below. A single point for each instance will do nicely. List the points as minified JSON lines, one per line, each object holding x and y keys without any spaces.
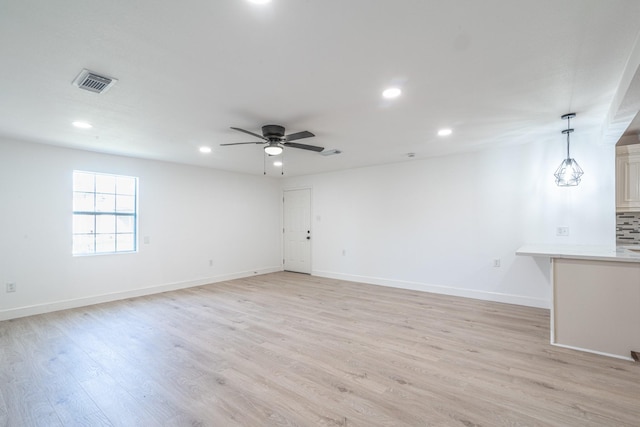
{"x":569,"y":173}
{"x":273,"y":149}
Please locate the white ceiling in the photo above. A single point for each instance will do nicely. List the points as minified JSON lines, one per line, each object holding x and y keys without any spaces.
{"x":497,"y":72}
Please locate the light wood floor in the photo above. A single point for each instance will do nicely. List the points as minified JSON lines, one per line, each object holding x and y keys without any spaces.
{"x":294,"y":350}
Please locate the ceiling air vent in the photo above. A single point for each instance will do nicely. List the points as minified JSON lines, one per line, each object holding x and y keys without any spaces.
{"x":88,"y":80}
{"x":330,"y":152}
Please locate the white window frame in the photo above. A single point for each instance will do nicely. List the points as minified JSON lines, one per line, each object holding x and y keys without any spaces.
{"x":95,"y":212}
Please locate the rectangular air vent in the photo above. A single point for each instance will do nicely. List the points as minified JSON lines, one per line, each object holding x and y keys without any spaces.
{"x":330,"y":152}
{"x":88,"y":80}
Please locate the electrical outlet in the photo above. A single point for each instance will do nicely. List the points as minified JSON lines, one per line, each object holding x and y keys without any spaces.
{"x":210,"y":263}
{"x":344,"y":252}
{"x":11,"y":287}
{"x":496,"y":262}
{"x":562,"y":231}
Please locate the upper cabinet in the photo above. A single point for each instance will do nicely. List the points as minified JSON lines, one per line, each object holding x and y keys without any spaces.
{"x":628,"y":178}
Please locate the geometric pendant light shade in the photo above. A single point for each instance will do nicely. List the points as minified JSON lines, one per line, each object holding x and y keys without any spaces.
{"x":569,"y":172}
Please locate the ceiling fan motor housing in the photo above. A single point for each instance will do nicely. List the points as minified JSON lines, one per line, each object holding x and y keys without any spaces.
{"x":273,"y":131}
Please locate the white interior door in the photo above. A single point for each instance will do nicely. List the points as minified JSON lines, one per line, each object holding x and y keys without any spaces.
{"x":297,"y":230}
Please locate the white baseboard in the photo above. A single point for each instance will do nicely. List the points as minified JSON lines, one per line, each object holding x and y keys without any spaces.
{"x":14,"y":313}
{"x":439,"y":289}
{"x":600,"y":353}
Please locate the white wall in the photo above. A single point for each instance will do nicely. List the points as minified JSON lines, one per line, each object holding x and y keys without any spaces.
{"x":190,"y":214}
{"x":437,"y":224}
{"x":433,"y":224}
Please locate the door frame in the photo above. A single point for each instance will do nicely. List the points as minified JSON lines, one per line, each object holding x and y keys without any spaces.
{"x":284,"y":189}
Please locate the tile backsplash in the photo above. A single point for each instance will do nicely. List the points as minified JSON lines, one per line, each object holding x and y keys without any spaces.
{"x":628,"y":228}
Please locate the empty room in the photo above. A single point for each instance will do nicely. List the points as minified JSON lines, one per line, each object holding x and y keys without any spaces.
{"x":320,"y":213}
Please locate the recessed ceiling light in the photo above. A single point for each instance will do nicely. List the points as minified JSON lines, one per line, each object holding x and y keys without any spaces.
{"x":392,"y":92}
{"x":82,"y":125}
{"x":277,"y":163}
{"x":205,"y":150}
{"x":445,"y":132}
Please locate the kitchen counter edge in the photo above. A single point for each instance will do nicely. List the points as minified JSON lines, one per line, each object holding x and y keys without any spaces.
{"x":619,"y":253}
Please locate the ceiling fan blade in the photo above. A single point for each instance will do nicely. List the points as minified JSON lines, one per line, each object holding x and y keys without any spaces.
{"x":242,"y":143}
{"x":303,"y":146}
{"x":299,"y":135}
{"x":250,"y":133}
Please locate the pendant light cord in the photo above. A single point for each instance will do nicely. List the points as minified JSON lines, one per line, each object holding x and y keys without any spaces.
{"x":568,"y":132}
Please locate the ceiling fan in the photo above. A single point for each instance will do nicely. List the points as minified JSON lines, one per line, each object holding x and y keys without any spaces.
{"x":275,"y":140}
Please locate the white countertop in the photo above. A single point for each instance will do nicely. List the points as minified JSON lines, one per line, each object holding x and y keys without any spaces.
{"x":619,"y":253}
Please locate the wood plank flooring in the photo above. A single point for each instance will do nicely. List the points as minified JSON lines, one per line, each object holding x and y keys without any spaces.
{"x":286,"y":349}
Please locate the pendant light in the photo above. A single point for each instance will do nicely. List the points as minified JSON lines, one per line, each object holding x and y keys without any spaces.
{"x":569,"y":172}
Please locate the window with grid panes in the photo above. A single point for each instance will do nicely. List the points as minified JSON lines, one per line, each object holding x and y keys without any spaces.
{"x":104,"y":213}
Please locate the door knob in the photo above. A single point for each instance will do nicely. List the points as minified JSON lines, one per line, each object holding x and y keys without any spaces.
{"x":308,"y":237}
